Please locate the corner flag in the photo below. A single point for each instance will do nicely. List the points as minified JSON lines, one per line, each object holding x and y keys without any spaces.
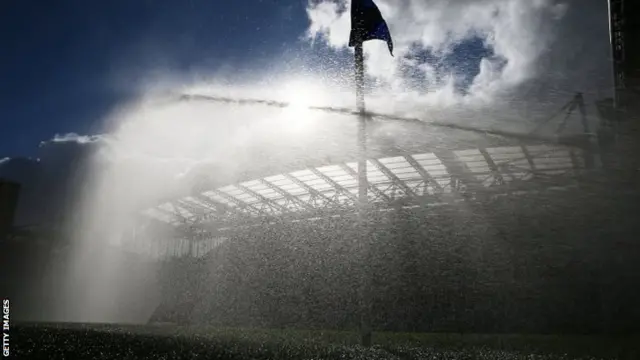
{"x":367,"y":24}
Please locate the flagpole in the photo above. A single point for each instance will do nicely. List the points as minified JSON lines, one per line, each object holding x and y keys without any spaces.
{"x":363,"y":233}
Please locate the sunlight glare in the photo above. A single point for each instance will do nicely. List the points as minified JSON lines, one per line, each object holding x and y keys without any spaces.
{"x":298,"y":117}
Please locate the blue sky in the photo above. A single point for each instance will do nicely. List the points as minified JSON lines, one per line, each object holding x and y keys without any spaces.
{"x":63,"y":65}
{"x":66,"y":66}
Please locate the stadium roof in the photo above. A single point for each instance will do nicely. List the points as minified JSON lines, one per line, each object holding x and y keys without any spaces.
{"x":412,"y":179}
{"x":417,"y":164}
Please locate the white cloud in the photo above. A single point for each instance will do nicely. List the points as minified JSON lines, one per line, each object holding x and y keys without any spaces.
{"x":73,"y":137}
{"x":518,"y":31}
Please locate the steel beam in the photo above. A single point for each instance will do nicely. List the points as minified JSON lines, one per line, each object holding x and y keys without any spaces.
{"x":239,"y":203}
{"x":219,"y":208}
{"x":423,"y":201}
{"x":428,"y":179}
{"x":529,"y":158}
{"x":272,"y":204}
{"x":416,"y":121}
{"x":492,"y":166}
{"x":313,"y":192}
{"x":458,"y":170}
{"x":338,"y":187}
{"x":371,"y":187}
{"x":394,"y":179}
{"x":286,"y":195}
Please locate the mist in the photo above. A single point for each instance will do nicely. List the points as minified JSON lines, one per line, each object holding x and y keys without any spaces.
{"x":157,"y":147}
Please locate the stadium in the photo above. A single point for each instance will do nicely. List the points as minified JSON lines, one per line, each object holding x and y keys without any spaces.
{"x":462,"y":208}
{"x":464,"y":229}
{"x":407,"y":177}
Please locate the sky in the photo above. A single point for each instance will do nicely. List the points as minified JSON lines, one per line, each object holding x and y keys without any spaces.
{"x":81,"y":75}
{"x":67,"y":65}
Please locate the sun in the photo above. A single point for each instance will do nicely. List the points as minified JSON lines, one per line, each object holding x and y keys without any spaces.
{"x":299,"y":98}
{"x":298,"y":116}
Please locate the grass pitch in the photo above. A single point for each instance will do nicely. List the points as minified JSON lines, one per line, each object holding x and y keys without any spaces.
{"x":104,"y":341}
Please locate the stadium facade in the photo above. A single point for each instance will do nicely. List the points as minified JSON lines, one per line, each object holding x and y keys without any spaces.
{"x":444,"y":214}
{"x":505,"y":202}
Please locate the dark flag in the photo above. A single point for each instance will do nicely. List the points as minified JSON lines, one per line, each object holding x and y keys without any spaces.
{"x":367,"y":24}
